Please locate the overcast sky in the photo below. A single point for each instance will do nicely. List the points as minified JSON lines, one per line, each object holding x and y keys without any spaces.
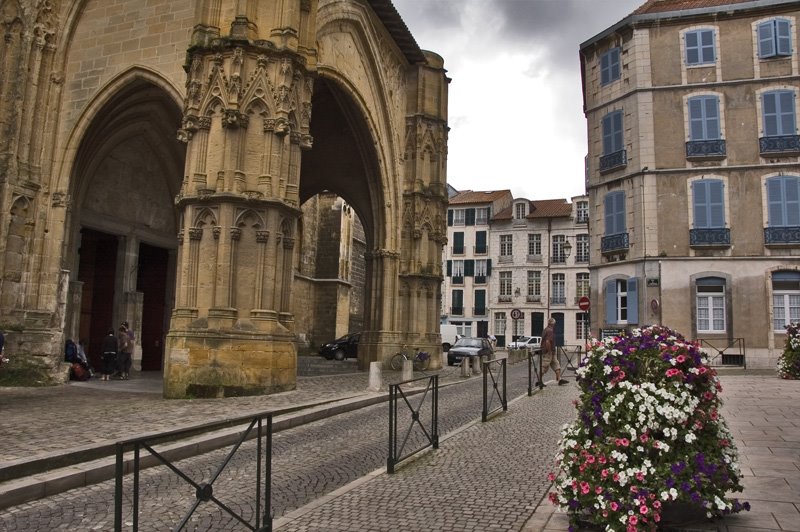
{"x":516,"y":109}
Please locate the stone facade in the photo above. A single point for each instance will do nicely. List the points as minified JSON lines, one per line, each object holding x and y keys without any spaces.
{"x":193,"y":240}
{"x":691,"y":179}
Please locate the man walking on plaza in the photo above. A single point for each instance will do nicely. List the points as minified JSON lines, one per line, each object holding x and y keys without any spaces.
{"x":549,"y":357}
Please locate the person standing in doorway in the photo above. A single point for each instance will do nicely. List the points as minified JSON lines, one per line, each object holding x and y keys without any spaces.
{"x":549,"y":356}
{"x":125,"y":351}
{"x":110,"y":347}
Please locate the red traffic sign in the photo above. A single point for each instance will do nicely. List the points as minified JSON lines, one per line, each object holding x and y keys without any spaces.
{"x":583,"y":303}
{"x":516,"y":314}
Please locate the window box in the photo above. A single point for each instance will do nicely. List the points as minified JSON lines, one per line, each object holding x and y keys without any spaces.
{"x":504,"y":299}
{"x":710,"y":237}
{"x":533,"y":299}
{"x":612,"y":161}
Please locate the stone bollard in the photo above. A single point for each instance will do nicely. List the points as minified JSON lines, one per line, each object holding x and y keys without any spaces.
{"x":465,"y":368}
{"x":375,"y":377}
{"x":476,"y":365}
{"x":408,"y":370}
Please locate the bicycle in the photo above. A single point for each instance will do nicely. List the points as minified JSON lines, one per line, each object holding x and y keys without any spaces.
{"x":421,"y":359}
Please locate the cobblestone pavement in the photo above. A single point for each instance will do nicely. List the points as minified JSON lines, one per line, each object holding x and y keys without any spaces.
{"x":323,"y":456}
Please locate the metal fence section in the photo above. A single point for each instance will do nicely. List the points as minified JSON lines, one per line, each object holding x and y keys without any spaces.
{"x":494,"y":371}
{"x":569,"y":356}
{"x":534,"y":369}
{"x":204,"y":490}
{"x":396,"y":393}
{"x":725,"y":352}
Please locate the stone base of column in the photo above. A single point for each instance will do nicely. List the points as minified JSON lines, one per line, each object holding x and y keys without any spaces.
{"x":206,"y":363}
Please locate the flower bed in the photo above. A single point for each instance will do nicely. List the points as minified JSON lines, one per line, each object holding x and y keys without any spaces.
{"x":789,"y":361}
{"x":648,"y":435}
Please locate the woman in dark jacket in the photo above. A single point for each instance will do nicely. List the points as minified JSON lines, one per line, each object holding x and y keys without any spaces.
{"x":110,"y":347}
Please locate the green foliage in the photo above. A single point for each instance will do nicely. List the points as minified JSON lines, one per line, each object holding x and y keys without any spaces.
{"x":789,"y":361}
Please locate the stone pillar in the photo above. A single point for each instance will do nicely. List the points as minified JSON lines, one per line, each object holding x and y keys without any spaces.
{"x":246,"y":120}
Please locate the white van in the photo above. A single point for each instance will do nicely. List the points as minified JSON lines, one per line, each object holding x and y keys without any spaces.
{"x":448,"y":333}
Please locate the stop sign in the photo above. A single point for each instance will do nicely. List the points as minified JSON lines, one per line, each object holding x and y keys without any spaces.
{"x":583,"y":303}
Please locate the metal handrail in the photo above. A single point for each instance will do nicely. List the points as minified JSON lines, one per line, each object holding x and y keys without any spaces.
{"x":735,"y":344}
{"x":204,"y":491}
{"x":498,"y":388}
{"x":396,"y":392}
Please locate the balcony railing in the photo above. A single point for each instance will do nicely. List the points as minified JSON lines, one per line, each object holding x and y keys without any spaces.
{"x":781,"y":235}
{"x":614,"y":160}
{"x":618,"y":242}
{"x":457,"y":251}
{"x":504,"y":299}
{"x":480,"y":279}
{"x":720,"y":236}
{"x":457,"y":311}
{"x":479,"y":311}
{"x":558,"y":300}
{"x":458,"y":279}
{"x":533,"y":299}
{"x":779,"y":144}
{"x":480,"y":250}
{"x":705,"y":149}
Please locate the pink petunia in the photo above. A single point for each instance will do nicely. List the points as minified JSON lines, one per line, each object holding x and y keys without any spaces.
{"x":643,"y":509}
{"x":633,"y":520}
{"x":614,"y":506}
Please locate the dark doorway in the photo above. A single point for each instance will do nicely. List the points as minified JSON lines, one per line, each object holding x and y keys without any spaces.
{"x":483,"y":329}
{"x":152,"y":283}
{"x":537,"y":323}
{"x":97,"y":271}
{"x":559,"y":328}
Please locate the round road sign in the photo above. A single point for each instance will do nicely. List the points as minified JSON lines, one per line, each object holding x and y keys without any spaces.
{"x":583,"y":303}
{"x":516,"y":314}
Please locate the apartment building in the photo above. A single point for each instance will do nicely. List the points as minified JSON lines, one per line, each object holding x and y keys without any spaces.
{"x":541,"y":269}
{"x":468,"y":259}
{"x":693,"y":175}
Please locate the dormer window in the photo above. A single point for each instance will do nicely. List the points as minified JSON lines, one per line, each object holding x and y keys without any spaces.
{"x":520,"y":211}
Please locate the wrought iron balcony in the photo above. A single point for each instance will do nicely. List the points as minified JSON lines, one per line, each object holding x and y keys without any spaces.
{"x":558,"y":300}
{"x":458,"y":279}
{"x":720,"y":236}
{"x":618,"y":242}
{"x":779,"y":144}
{"x":457,"y":311}
{"x":781,"y":235}
{"x":614,"y":160}
{"x":479,"y":311}
{"x":504,"y":299}
{"x":480,"y":250}
{"x":457,"y":250}
{"x":480,"y":279}
{"x":533,"y":299}
{"x":705,"y":149}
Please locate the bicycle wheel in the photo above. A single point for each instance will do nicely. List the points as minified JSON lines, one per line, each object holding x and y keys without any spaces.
{"x":421,"y":361}
{"x":397,"y":361}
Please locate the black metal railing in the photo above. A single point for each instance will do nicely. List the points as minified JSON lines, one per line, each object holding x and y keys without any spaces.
{"x":781,"y":235}
{"x":534,"y":370}
{"x":779,"y":144}
{"x":718,"y":236}
{"x":614,"y":242}
{"x":614,"y":160}
{"x":494,"y":371}
{"x":204,"y":490}
{"x":725,"y":352}
{"x":569,"y":356}
{"x":396,"y":393}
{"x":705,"y":149}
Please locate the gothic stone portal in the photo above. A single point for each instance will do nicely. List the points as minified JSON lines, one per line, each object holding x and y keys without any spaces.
{"x":95,"y":155}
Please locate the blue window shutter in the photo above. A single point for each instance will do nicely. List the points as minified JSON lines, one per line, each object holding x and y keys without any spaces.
{"x":633,"y":300}
{"x":608,"y":207}
{"x":488,"y":267}
{"x":786,"y":113}
{"x":619,"y":214}
{"x":617,"y":126}
{"x":692,"y":48}
{"x":469,"y":217}
{"x":792,"y":195}
{"x":700,"y":197}
{"x":766,"y":39}
{"x":696,"y":122}
{"x":605,"y":68}
{"x":711,"y":109}
{"x":449,"y":217}
{"x":775,"y":202}
{"x":615,"y":64}
{"x":707,"y":52}
{"x":611,"y":301}
{"x":458,"y":298}
{"x":716,"y":203}
{"x":769,"y":108}
{"x":608,"y":135}
{"x":469,"y":268}
{"x":783,"y":37}
{"x":449,"y":268}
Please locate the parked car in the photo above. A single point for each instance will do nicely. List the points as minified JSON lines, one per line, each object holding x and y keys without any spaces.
{"x":527,"y":342}
{"x":341,"y":348}
{"x":467,"y":348}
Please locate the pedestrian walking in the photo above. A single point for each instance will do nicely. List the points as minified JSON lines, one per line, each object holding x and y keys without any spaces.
{"x":125,"y":351}
{"x":549,"y":357}
{"x":110,"y":346}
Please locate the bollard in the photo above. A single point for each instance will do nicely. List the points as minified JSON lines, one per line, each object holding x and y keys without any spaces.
{"x":465,"y":368}
{"x":408,"y":370}
{"x":476,"y":365}
{"x":375,"y":377}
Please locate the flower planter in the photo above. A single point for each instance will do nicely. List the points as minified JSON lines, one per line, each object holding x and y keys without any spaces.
{"x":648,"y":444}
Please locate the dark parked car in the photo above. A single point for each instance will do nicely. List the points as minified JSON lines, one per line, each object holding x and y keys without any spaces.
{"x":467,"y":348}
{"x":341,"y":348}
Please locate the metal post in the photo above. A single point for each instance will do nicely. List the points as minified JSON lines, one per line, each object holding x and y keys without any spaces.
{"x":435,"y":411}
{"x":505,"y":381}
{"x":530,"y":373}
{"x":136,"y":487}
{"x":485,"y":412}
{"x":541,"y":377}
{"x":392,"y":427}
{"x":118,"y":491}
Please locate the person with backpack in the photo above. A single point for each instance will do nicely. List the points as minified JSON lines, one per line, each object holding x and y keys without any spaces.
{"x":110,"y":346}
